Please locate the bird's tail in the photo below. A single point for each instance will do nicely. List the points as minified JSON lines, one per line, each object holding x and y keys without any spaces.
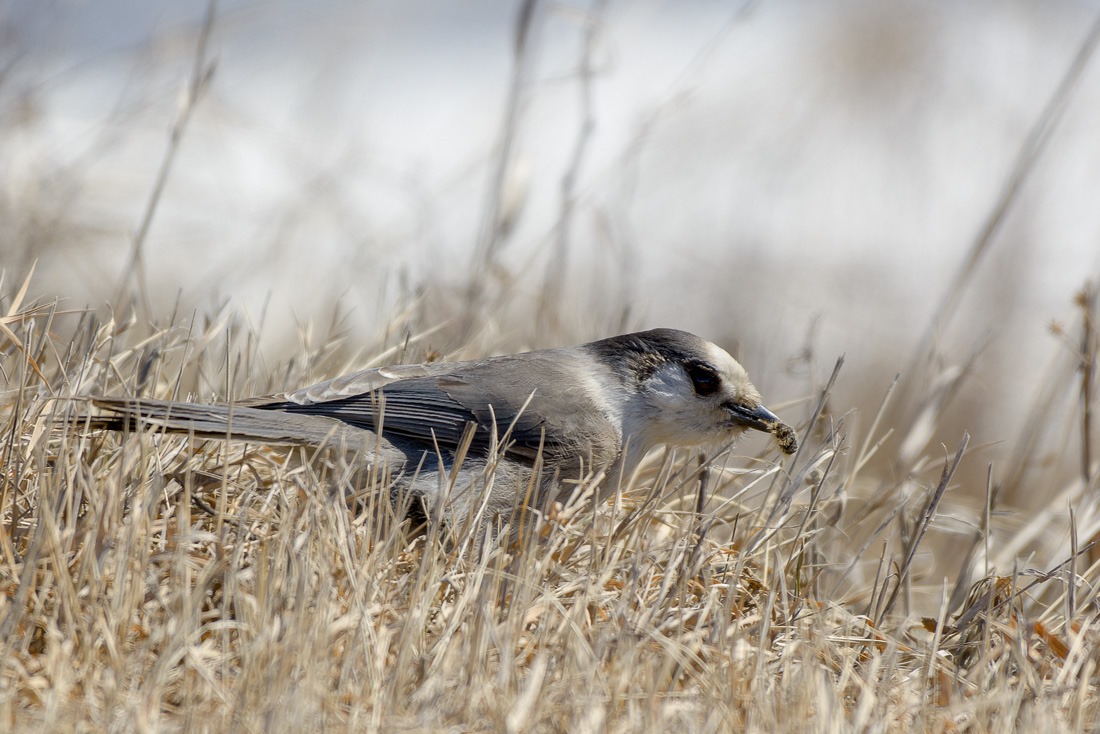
{"x":227,"y":422}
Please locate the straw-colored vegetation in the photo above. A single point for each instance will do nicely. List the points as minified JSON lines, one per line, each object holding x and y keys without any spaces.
{"x":153,"y":582}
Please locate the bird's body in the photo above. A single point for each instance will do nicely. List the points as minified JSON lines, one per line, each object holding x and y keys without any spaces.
{"x":563,"y":412}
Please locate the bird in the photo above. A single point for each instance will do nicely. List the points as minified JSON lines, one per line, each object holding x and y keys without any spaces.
{"x":475,"y":440}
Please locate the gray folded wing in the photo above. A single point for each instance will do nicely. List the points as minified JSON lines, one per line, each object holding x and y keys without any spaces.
{"x":532,"y":399}
{"x":432,"y":411}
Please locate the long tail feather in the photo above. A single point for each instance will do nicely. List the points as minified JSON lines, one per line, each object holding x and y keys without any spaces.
{"x":233,"y":422}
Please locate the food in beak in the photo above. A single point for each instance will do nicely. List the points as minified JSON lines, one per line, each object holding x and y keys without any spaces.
{"x":784,"y":436}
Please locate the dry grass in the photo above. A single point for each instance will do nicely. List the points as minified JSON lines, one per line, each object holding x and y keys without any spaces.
{"x":151,"y":583}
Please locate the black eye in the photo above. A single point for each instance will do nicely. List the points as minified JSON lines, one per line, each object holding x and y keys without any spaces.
{"x":704,"y":380}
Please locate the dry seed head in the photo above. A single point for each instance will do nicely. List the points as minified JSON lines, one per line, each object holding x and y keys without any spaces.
{"x":1082,"y":297}
{"x":785,"y":437}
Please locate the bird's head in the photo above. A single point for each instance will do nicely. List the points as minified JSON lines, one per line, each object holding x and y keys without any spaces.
{"x":684,"y":391}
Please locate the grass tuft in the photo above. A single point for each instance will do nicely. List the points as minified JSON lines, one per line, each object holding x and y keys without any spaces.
{"x":156,"y":582}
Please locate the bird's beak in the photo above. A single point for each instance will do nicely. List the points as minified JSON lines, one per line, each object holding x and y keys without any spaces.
{"x":753,"y":416}
{"x":762,"y":419}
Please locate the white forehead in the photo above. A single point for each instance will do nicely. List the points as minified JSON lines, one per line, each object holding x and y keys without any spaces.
{"x":730,"y":368}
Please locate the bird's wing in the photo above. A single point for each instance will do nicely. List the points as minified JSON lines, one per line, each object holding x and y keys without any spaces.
{"x":430,"y":410}
{"x":531,"y":397}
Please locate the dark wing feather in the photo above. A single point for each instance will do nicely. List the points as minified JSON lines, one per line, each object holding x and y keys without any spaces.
{"x":426,"y":410}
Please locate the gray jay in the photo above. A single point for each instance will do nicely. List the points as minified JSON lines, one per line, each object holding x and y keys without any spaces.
{"x":487,"y":436}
